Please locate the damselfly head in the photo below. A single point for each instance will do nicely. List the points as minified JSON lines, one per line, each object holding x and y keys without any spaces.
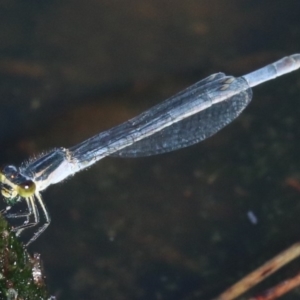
{"x":14,"y":184}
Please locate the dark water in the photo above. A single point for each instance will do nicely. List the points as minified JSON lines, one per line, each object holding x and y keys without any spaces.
{"x":173,"y":226}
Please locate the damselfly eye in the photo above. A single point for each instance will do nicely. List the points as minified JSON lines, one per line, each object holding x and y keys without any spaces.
{"x":26,"y":189}
{"x":10,"y":171}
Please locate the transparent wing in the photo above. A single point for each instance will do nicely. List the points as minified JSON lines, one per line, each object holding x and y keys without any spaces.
{"x":184,"y":119}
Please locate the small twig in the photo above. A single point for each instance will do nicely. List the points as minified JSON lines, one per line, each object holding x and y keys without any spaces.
{"x":261,"y":273}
